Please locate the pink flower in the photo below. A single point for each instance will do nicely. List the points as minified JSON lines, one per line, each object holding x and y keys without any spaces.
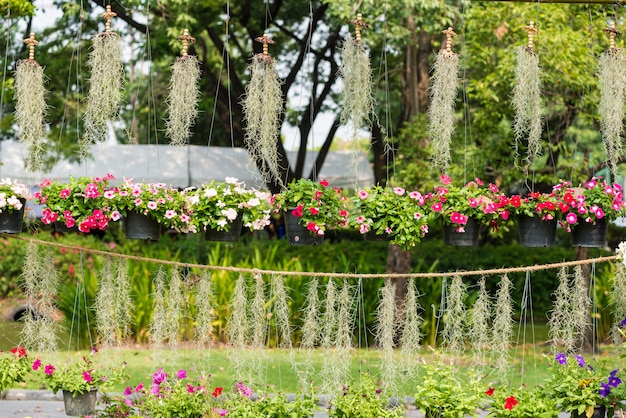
{"x":128,"y":391}
{"x":324,"y":182}
{"x":445,"y":179}
{"x":493,"y":187}
{"x":437,"y":207}
{"x":181,"y":374}
{"x":312,"y":226}
{"x":87,"y":377}
{"x":159,"y":377}
{"x":479,"y":181}
{"x":458,"y":218}
{"x":298,"y":211}
{"x":139,"y":388}
{"x":169,"y":214}
{"x":472,"y":202}
{"x":49,"y":369}
{"x":360,"y":219}
{"x":417,"y":215}
{"x":36,"y":364}
{"x":221,"y":411}
{"x":65,"y":193}
{"x":399,"y":191}
{"x":91,"y":191}
{"x":590,"y":184}
{"x":363,"y":194}
{"x":115,"y":215}
{"x":152,"y":205}
{"x":364,"y":228}
{"x":138,"y":202}
{"x":190,"y":388}
{"x":243,"y":390}
{"x":155,"y":389}
{"x":571,"y":218}
{"x":314,"y":211}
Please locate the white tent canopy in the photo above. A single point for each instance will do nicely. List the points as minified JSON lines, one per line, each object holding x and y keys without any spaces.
{"x":179,"y":166}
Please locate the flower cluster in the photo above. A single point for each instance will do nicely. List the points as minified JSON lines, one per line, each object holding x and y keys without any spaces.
{"x":315,"y":204}
{"x":14,"y":366}
{"x":79,"y":377}
{"x":477,"y":200}
{"x":80,"y":203}
{"x":393,"y":212}
{"x":363,"y":399}
{"x":579,"y":386}
{"x":546,"y":206}
{"x":522,"y":402}
{"x":218,"y":204}
{"x":595,"y":200}
{"x":12,"y":195}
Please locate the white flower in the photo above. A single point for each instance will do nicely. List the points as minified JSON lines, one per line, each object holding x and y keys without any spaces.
{"x":194,"y":199}
{"x":210,"y":192}
{"x":222,"y":222}
{"x":621,"y":252}
{"x":231,"y":180}
{"x":15,"y":202}
{"x":253,"y":202}
{"x":231,"y":214}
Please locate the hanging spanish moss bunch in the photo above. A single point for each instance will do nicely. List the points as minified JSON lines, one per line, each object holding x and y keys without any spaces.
{"x":411,"y":333}
{"x":30,"y":106}
{"x":105,"y":306}
{"x":281,"y":312}
{"x":237,"y":328}
{"x":106,"y":84}
{"x":385,"y":332}
{"x":612,"y":85}
{"x":258,"y":330}
{"x":124,"y":303}
{"x":618,"y":302}
{"x":454,"y":327}
{"x":329,"y":374}
{"x":357,"y":99}
{"x":480,"y":333}
{"x":310,"y":333}
{"x":561,"y":320}
{"x":262,"y":108}
{"x":343,"y":338}
{"x":442,"y":98}
{"x":502,"y":327}
{"x":581,"y":304}
{"x":527,"y":122}
{"x":184,"y":91}
{"x":41,"y":283}
{"x":158,"y":325}
{"x":205,"y":313}
{"x":175,"y":306}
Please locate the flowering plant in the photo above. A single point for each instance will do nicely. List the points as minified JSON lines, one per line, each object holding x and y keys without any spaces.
{"x":243,"y":402}
{"x":393,"y":212}
{"x":316,"y":205}
{"x":79,"y":377}
{"x":12,"y":195}
{"x":78,"y":203}
{"x":547,"y":206}
{"x":596,"y":200}
{"x":442,"y":391}
{"x":363,"y":399}
{"x":167,"y":396}
{"x":456,"y":204}
{"x":521,"y":403}
{"x":578,"y":386}
{"x":218,"y":204}
{"x":162,"y":203}
{"x":14,"y":366}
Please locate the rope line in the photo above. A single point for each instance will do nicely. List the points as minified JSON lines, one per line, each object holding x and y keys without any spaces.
{"x":521,"y":269}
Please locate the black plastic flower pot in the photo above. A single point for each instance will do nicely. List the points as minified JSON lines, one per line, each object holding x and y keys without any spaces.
{"x":536,"y":232}
{"x":140,"y":226}
{"x":232,"y":235}
{"x":467,"y":238}
{"x":586,"y":234}
{"x":80,"y":404}
{"x":11,"y":223}
{"x":298,"y":234}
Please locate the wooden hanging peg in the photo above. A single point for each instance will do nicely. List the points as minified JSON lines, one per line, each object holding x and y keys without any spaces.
{"x":449,"y":34}
{"x":359,"y":23}
{"x":108,"y":15}
{"x":532,"y":31}
{"x":186,"y":40}
{"x":31,"y":41}
{"x":266,"y":41}
{"x":612,"y":33}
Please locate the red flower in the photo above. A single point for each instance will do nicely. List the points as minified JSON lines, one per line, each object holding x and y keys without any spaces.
{"x":490,"y":391}
{"x":297,"y":212}
{"x":217,"y":392}
{"x":20,"y":351}
{"x":510,"y":402}
{"x":324,"y":182}
{"x":314,"y":211}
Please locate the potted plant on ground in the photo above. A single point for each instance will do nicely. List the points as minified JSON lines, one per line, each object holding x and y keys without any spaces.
{"x":77,"y":205}
{"x":463,"y":208}
{"x":589,"y":208}
{"x":522,"y":402}
{"x":363,"y":398}
{"x":581,"y":388}
{"x":310,"y":208}
{"x":220,"y":209}
{"x":14,"y":366}
{"x":146,"y":207}
{"x":80,"y":383}
{"x":392,"y":213}
{"x":443,"y":393}
{"x":13,"y":197}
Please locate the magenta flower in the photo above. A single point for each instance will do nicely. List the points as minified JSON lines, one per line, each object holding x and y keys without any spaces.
{"x":363,"y":194}
{"x":571,"y":218}
{"x":190,"y":388}
{"x":181,"y":374}
{"x":87,"y":377}
{"x":65,"y":193}
{"x":155,"y":389}
{"x":159,"y":377}
{"x":243,"y":389}
{"x":49,"y":369}
{"x":221,"y":411}
{"x":36,"y":364}
{"x":128,"y":391}
{"x":399,"y":191}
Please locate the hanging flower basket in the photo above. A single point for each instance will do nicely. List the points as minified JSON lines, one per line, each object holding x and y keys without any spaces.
{"x":59,"y":226}
{"x":298,"y":234}
{"x":593,"y":235}
{"x":140,"y":226}
{"x":462,"y":236}
{"x":232,"y":235}
{"x":11,"y":222}
{"x":80,"y":404}
{"x":536,"y":232}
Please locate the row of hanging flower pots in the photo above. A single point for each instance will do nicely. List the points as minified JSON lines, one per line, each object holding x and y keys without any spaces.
{"x":311,"y":208}
{"x":584,"y":388}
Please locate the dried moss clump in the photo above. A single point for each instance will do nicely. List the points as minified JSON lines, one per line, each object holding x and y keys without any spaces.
{"x":182,"y":102}
{"x":106,"y":88}
{"x":262,"y":109}
{"x":527,"y":123}
{"x":30,"y":110}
